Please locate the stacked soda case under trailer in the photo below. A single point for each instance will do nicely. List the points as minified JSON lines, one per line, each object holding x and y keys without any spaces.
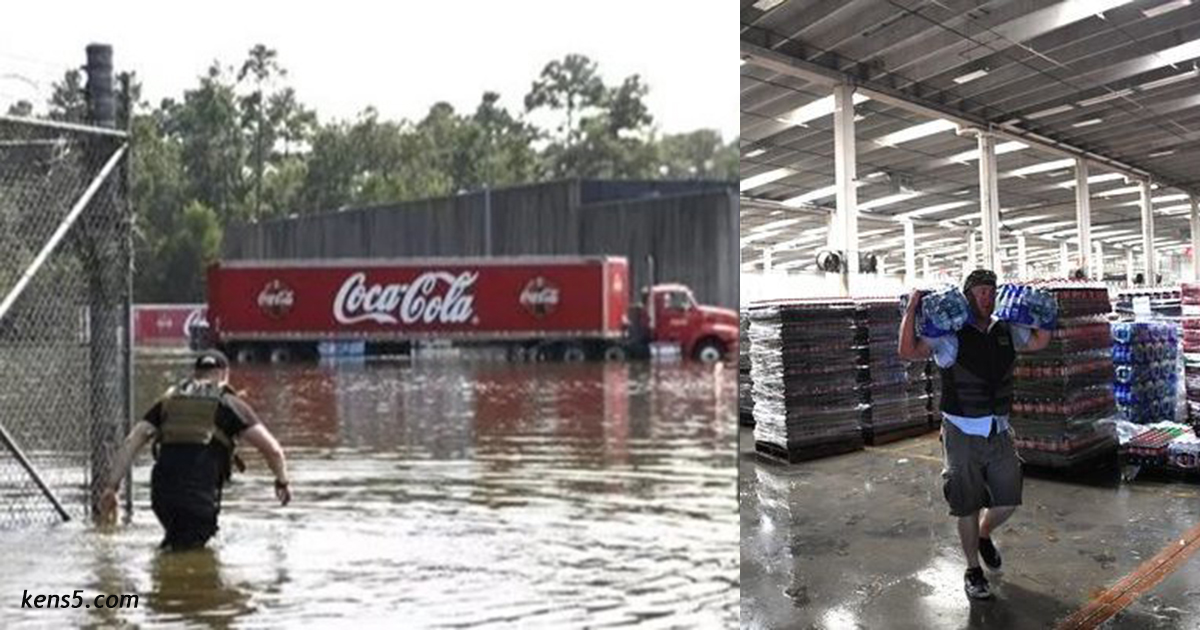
{"x":544,"y":308}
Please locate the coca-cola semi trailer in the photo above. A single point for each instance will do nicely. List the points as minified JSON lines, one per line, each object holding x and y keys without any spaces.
{"x":549,"y":308}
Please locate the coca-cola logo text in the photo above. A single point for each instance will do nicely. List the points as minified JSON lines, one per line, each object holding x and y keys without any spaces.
{"x":419,"y":301}
{"x":276,"y":299}
{"x":539,"y":297}
{"x":194,"y":318}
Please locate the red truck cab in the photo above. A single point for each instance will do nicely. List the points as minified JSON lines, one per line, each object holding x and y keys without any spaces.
{"x":704,"y":333}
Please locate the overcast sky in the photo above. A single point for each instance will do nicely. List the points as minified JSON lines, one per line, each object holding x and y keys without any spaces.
{"x":400,"y":56}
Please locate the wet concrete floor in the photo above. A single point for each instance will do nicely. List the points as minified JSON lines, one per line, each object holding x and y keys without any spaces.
{"x":865,"y":540}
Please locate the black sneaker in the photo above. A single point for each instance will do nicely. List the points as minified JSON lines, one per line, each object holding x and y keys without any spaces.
{"x":989,"y":553}
{"x":976,"y":585}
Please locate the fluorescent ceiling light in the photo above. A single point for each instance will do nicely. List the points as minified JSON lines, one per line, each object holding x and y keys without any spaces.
{"x":814,"y":195}
{"x":755,"y":153}
{"x":1103,"y":98}
{"x":791,"y":264}
{"x":941,"y":207}
{"x":1001,"y":149}
{"x":970,"y":76}
{"x":1048,"y":226}
{"x":1050,"y":112}
{"x":758,"y":236}
{"x":1059,"y":233}
{"x":1158,"y":154}
{"x":1117,"y":192}
{"x":817,"y":109}
{"x":915,"y":132}
{"x":875,"y":232}
{"x":1183,"y":76}
{"x":782,"y":223}
{"x":767,"y":5}
{"x":1166,"y":198}
{"x":1179,"y":209}
{"x":1088,"y":123}
{"x":809,"y":236}
{"x":889,"y":200}
{"x":1095,"y":179}
{"x":1020,"y":220}
{"x":1041,"y":168}
{"x":765,"y":178}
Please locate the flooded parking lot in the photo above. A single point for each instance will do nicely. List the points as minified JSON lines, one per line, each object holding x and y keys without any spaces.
{"x":441,"y":494}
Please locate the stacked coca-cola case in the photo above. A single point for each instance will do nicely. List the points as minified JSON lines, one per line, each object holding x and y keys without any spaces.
{"x":894,"y":392}
{"x":1190,"y":297}
{"x":806,"y":394}
{"x":1061,"y":392}
{"x":745,"y":380}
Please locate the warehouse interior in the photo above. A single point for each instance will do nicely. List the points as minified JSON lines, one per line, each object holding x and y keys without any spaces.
{"x":888,"y":145}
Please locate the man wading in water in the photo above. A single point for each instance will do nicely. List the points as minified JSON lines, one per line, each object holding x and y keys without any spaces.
{"x":195,"y":424}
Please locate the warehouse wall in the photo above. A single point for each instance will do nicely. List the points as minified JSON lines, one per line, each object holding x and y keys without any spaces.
{"x":692,"y":235}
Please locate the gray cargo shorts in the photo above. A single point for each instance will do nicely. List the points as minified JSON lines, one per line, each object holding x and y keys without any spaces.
{"x":978,"y":471}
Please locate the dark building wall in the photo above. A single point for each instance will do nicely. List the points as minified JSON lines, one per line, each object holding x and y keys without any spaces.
{"x":692,"y":235}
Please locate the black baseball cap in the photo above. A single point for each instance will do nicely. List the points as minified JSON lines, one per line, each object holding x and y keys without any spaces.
{"x":212,"y":360}
{"x":984,"y":277}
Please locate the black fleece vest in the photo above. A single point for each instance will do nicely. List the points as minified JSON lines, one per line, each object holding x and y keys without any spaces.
{"x":980,"y":381}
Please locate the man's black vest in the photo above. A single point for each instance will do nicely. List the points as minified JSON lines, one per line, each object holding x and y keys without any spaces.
{"x":980,"y":381}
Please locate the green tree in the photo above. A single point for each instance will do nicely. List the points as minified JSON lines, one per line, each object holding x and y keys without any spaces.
{"x":207,"y":124}
{"x":608,"y":130}
{"x":68,"y":100}
{"x":258,"y":119}
{"x":21,"y":108}
{"x":698,"y":154}
{"x":188,"y":251}
{"x":571,"y":86}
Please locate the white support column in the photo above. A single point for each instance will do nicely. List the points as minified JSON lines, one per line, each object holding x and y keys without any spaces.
{"x":1148,"y":235}
{"x":1097,"y":272}
{"x":972,"y":259}
{"x":844,"y":175}
{"x":1022,"y":258}
{"x":1128,"y":266}
{"x":989,"y":199}
{"x":1083,"y":213}
{"x":1195,"y":239}
{"x":925,"y":268}
{"x":767,"y":260}
{"x":910,"y":254}
{"x":1064,"y":259}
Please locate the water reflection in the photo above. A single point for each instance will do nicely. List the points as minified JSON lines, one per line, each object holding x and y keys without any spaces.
{"x":189,"y":586}
{"x":447,"y":494}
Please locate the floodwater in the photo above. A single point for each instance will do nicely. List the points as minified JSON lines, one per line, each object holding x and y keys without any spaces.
{"x":438,"y":494}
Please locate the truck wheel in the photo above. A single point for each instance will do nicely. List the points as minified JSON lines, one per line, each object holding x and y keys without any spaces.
{"x":280,"y":354}
{"x":245,"y":354}
{"x":709,"y":351}
{"x":574,"y":354}
{"x":614,"y":354}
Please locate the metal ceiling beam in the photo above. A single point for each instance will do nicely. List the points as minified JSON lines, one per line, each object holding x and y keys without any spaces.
{"x":816,"y":73}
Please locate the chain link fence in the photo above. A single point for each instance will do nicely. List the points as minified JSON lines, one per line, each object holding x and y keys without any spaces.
{"x":64,"y":285}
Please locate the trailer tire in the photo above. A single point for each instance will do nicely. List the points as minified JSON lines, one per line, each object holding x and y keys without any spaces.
{"x":245,"y":354}
{"x":709,"y":351}
{"x":574,"y":353}
{"x":281,"y":354}
{"x":615,"y":354}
